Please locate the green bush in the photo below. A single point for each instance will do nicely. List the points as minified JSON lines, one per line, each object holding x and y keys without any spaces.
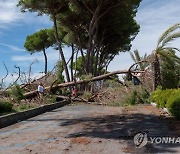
{"x":5,"y":107}
{"x":160,"y":96}
{"x":144,"y":96}
{"x":16,"y":93}
{"x":174,"y":108}
{"x":137,"y":97}
{"x":169,"y":98}
{"x":173,"y":103}
{"x":131,"y":99}
{"x":154,"y":96}
{"x":87,"y":95}
{"x":50,"y":99}
{"x":164,"y":95}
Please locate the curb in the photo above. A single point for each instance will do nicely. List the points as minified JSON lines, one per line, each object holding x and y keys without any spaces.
{"x":13,"y":118}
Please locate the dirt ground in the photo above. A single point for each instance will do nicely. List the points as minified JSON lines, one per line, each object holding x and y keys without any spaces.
{"x":90,"y":129}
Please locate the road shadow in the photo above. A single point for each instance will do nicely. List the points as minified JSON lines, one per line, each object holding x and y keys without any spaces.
{"x":119,"y":127}
{"x":123,"y":127}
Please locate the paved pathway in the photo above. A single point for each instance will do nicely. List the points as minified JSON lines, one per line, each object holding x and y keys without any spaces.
{"x":86,"y":129}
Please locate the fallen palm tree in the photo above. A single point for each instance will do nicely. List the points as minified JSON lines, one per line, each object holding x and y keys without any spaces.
{"x":67,"y":84}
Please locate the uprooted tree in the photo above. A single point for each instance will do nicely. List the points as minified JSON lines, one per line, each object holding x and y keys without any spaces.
{"x":101,"y":77}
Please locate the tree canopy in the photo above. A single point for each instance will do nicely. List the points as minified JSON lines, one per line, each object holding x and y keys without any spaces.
{"x":39,"y":41}
{"x":98,"y":29}
{"x":102,"y":28}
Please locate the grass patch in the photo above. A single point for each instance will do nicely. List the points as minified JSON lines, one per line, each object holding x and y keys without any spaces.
{"x":24,"y":107}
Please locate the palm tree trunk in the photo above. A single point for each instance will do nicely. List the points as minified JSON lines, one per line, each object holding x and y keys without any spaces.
{"x":45,"y":61}
{"x":156,"y":72}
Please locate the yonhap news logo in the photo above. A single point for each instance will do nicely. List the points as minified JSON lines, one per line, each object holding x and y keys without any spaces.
{"x":141,"y":140}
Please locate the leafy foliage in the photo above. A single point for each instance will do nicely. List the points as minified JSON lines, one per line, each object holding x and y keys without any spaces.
{"x":16,"y":93}
{"x":38,"y":41}
{"x":87,"y":95}
{"x":50,"y":99}
{"x":77,"y":66}
{"x":169,"y":98}
{"x":24,"y":107}
{"x":136,"y":58}
{"x":59,"y":72}
{"x":170,"y":70}
{"x":100,"y":28}
{"x":51,"y":8}
{"x":137,"y":97}
{"x":5,"y":106}
{"x":173,"y":104}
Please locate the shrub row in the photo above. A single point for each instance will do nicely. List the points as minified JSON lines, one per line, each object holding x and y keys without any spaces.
{"x":169,"y":98}
{"x":5,"y":107}
{"x":137,"y":97}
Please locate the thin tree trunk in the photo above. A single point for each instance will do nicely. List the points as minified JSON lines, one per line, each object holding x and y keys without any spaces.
{"x":60,"y":50}
{"x":45,"y":61}
{"x":71,"y":65}
{"x":76,"y":64}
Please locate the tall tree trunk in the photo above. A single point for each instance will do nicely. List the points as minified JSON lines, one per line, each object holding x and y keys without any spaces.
{"x":76,"y":64}
{"x":96,"y":63}
{"x":92,"y":62}
{"x":71,"y":65}
{"x":45,"y":61}
{"x":60,"y":49}
{"x":92,"y":32}
{"x":156,"y":72}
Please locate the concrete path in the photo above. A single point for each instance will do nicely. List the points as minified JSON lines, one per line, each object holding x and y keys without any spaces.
{"x":86,"y":129}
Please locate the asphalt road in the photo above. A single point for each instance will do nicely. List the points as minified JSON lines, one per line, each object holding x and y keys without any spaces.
{"x":87,"y":129}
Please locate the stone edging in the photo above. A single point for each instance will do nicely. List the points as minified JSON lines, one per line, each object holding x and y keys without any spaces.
{"x":13,"y":118}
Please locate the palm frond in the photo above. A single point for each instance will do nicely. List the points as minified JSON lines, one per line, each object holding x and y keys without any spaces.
{"x":170,"y":38}
{"x":165,"y":54}
{"x":136,"y":53}
{"x":132,"y":56}
{"x":169,"y":57}
{"x":167,"y":32}
{"x":136,"y":58}
{"x":171,"y":48}
{"x":145,"y":56}
{"x":172,"y":55}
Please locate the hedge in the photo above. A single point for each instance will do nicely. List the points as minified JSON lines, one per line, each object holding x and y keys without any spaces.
{"x":5,"y":107}
{"x":169,"y":98}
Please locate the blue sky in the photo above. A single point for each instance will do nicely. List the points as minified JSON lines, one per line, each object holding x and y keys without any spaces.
{"x":154,"y":17}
